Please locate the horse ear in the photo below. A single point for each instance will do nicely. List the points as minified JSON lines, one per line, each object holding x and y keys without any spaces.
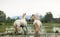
{"x":24,"y":14}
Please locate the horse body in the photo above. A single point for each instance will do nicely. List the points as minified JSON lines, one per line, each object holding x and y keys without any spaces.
{"x":20,"y":23}
{"x":17,"y":22}
{"x":23,"y":22}
{"x":38,"y":22}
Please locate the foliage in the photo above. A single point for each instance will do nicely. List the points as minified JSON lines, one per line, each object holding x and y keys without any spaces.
{"x":48,"y":17}
{"x":8,"y":19}
{"x":2,"y":16}
{"x":56,"y":20}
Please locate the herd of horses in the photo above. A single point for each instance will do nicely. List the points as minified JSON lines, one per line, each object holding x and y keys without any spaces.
{"x":23,"y":23}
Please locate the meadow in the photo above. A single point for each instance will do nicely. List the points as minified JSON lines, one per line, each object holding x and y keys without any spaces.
{"x":47,"y":26}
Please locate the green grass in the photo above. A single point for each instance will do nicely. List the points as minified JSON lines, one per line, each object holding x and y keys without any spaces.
{"x":48,"y":29}
{"x":50,"y":26}
{"x":3,"y":26}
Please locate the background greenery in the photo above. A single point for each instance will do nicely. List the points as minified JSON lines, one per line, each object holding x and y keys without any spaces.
{"x":48,"y":21}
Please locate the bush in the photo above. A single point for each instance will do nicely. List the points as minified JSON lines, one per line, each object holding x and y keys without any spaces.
{"x":0,"y":23}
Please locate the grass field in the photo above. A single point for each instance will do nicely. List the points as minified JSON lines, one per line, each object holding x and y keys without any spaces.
{"x":47,"y":26}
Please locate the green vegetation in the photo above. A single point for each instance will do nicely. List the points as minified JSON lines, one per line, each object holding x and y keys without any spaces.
{"x":47,"y":26}
{"x":48,"y":21}
{"x":4,"y":25}
{"x":48,"y":17}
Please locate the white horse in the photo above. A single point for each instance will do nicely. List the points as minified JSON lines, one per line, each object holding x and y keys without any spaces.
{"x":20,"y":23}
{"x":37,"y":23}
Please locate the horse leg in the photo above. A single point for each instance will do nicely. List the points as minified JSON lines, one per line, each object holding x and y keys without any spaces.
{"x":16,"y":29}
{"x":36,"y":30}
{"x":24,"y":29}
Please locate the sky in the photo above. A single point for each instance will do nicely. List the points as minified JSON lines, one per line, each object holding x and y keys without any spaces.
{"x":17,"y":7}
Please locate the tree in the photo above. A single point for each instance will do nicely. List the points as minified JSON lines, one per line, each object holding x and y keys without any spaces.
{"x":2,"y":16}
{"x":48,"y":17}
{"x":8,"y":19}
